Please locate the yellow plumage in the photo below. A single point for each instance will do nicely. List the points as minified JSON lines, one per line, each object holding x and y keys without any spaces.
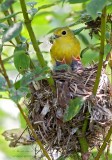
{"x":65,"y":46}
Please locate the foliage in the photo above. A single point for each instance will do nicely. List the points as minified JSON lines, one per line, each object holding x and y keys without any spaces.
{"x":22,"y":53}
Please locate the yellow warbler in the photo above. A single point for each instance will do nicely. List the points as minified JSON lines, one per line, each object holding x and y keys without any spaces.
{"x":66,"y":46}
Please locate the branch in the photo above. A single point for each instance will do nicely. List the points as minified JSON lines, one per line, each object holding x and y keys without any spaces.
{"x":103,"y":28}
{"x":33,"y":132}
{"x":10,"y":23}
{"x":107,"y":138}
{"x":22,"y":112}
{"x":33,"y":39}
{"x":4,"y":73}
{"x":83,"y":144}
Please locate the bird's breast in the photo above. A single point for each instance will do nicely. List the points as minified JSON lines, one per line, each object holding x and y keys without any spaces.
{"x":65,"y":49}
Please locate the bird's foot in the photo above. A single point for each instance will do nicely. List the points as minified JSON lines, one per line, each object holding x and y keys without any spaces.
{"x":76,"y":64}
{"x":61,"y":66}
{"x":58,"y":63}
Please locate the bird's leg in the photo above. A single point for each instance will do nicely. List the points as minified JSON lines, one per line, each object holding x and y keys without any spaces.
{"x":76,"y":63}
{"x":58,"y":63}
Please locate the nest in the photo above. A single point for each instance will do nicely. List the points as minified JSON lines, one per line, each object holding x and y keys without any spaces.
{"x":46,"y":109}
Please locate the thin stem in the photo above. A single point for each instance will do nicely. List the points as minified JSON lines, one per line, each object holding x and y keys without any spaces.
{"x":12,"y":11}
{"x":31,"y":33}
{"x":83,"y":142}
{"x":84,"y":128}
{"x":10,"y":23}
{"x":22,"y":112}
{"x":103,"y":28}
{"x":33,"y":132}
{"x":107,"y":138}
{"x":4,"y":73}
{"x":34,"y":41}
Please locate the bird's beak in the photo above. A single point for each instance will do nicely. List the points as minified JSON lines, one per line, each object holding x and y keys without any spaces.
{"x":52,"y":38}
{"x":56,"y":36}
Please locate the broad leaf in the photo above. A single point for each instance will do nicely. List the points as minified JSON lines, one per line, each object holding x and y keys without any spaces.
{"x":107,"y":49}
{"x":77,"y":1}
{"x":2,"y":83}
{"x":21,"y":61}
{"x":61,"y":158}
{"x":9,"y":16}
{"x":12,"y":32}
{"x":61,"y":67}
{"x":3,"y":26}
{"x":36,"y":75}
{"x":1,"y":48}
{"x":95,"y":6}
{"x":31,"y":4}
{"x":73,"y":109}
{"x":77,"y":31}
{"x":32,"y":11}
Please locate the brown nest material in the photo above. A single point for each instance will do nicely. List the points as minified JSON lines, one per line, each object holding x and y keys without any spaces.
{"x":46,"y":109}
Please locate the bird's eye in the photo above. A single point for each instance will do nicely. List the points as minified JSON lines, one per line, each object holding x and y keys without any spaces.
{"x":63,"y":32}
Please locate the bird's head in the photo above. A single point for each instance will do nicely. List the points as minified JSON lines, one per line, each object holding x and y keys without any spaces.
{"x":62,"y":33}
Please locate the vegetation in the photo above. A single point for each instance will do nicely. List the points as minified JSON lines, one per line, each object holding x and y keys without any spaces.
{"x":25,"y":28}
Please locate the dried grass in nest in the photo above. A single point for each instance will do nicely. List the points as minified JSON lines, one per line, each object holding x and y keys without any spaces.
{"x":46,"y":109}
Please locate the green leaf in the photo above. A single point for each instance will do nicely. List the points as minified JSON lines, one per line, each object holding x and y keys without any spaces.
{"x":77,"y":31}
{"x":46,"y":6}
{"x":107,"y":49}
{"x":32,"y":11}
{"x":16,"y":95}
{"x":77,"y":1}
{"x":61,"y":158}
{"x":73,"y":109}
{"x":17,"y":85}
{"x":21,"y":61}
{"x":6,"y":4}
{"x":9,"y":16}
{"x":2,"y":83}
{"x":61,"y":67}
{"x":95,"y":6}
{"x":3,"y":26}
{"x":1,"y":48}
{"x":36,"y":75}
{"x":12,"y":32}
{"x":84,"y":39}
{"x":31,"y":4}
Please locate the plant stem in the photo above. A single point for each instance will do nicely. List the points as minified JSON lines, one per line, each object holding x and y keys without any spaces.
{"x":10,"y":22}
{"x":22,"y":112}
{"x":83,"y":142}
{"x":103,"y":28}
{"x":107,"y":138}
{"x":18,"y":41}
{"x":33,"y":132}
{"x":4,"y":73}
{"x":84,"y":128}
{"x":34,"y":41}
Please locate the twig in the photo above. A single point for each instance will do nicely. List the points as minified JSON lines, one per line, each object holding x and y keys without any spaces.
{"x":23,"y":114}
{"x":34,"y":41}
{"x":4,"y":73}
{"x":33,"y":132}
{"x":103,"y":28}
{"x":107,"y":138}
{"x":10,"y":22}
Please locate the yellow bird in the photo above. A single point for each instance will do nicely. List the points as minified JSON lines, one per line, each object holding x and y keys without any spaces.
{"x":66,"y":46}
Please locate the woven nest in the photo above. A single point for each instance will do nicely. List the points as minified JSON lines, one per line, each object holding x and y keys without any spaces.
{"x":46,"y":109}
